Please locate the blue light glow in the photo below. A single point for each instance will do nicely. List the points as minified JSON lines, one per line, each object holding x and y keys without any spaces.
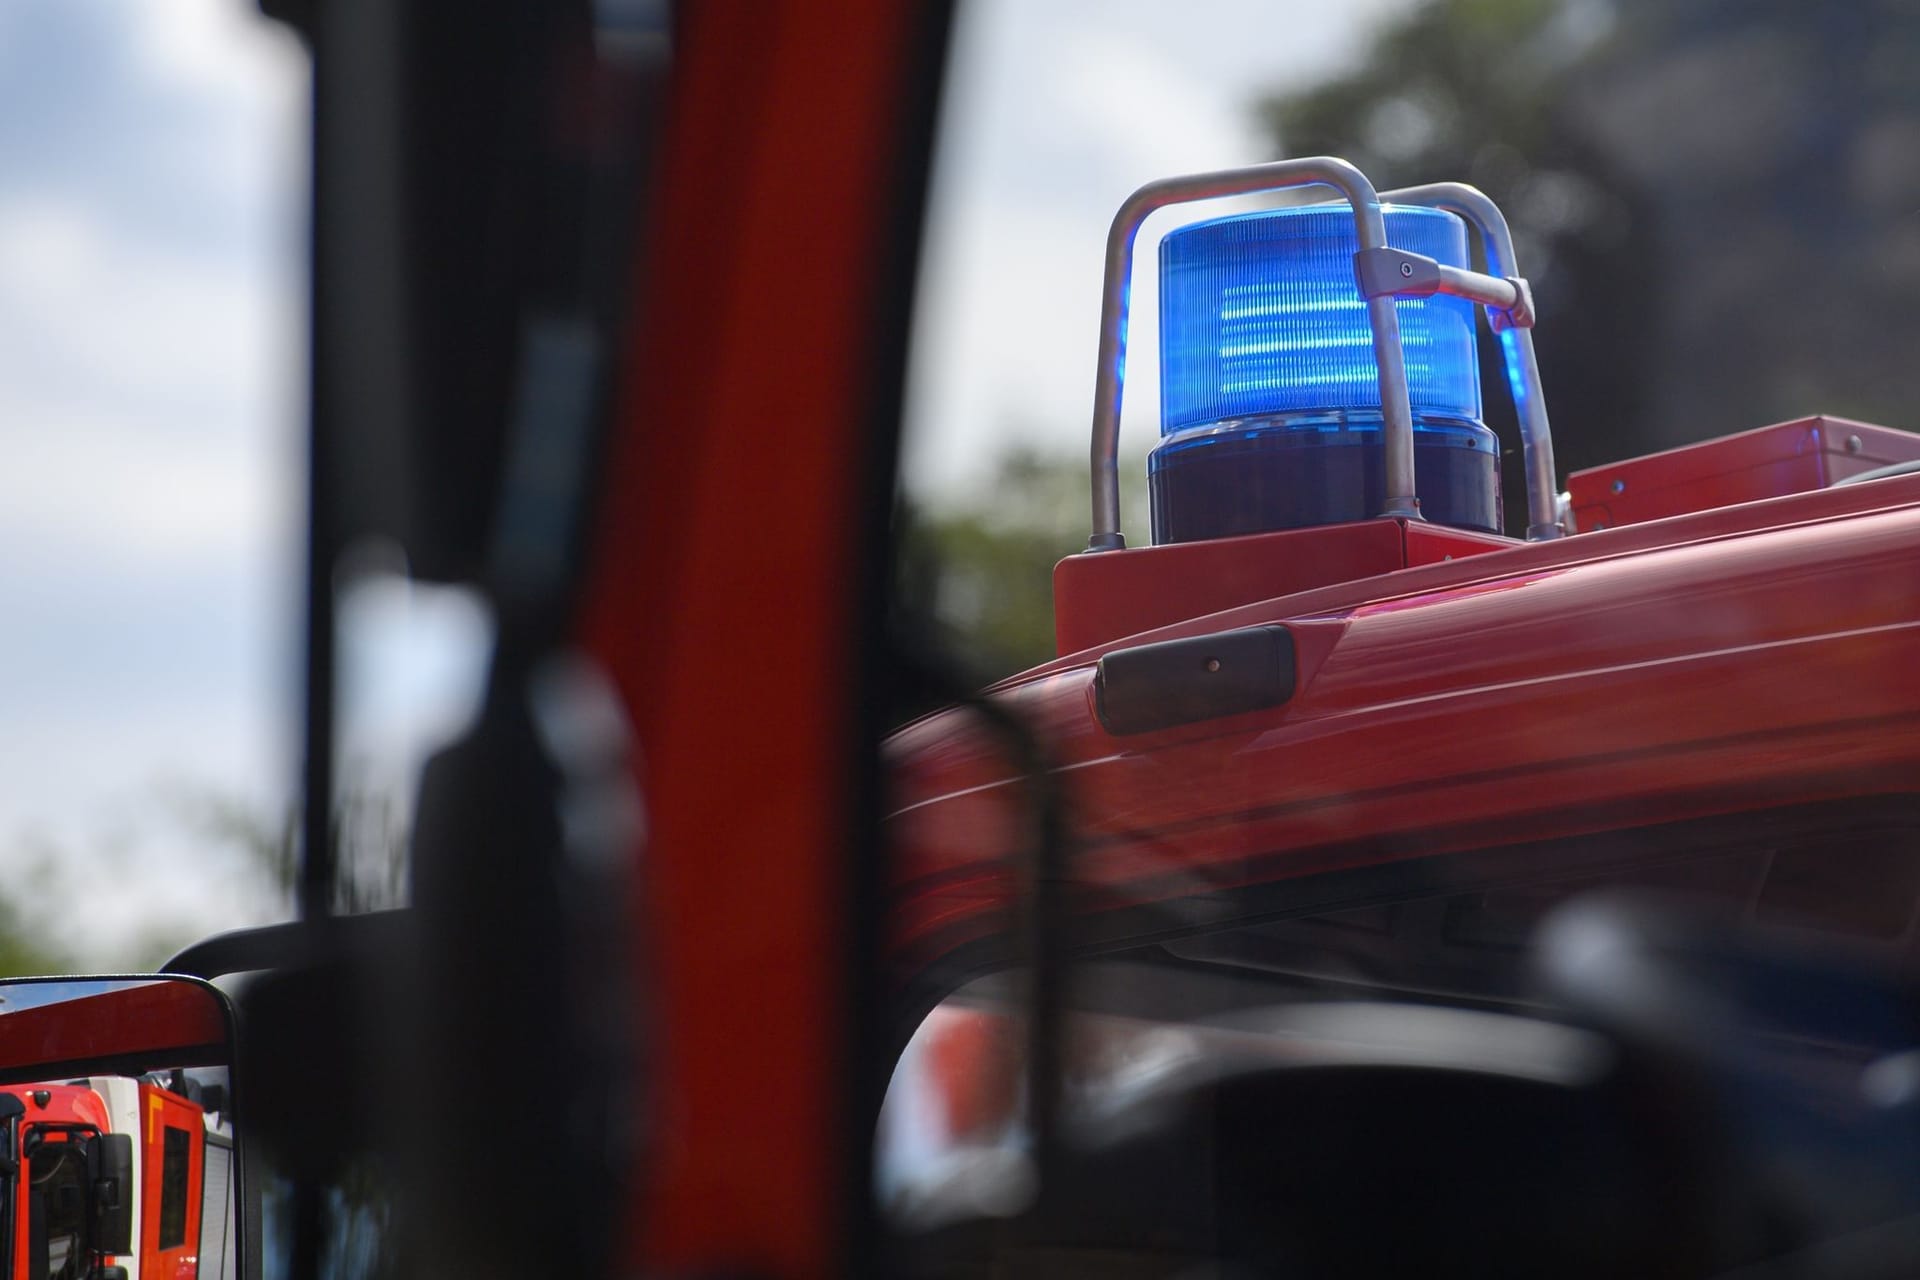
{"x":1270,"y":392}
{"x":1260,"y":315}
{"x":1510,"y":359}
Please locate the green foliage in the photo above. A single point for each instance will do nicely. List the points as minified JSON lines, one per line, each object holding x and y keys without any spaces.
{"x":1715,"y":202}
{"x":370,"y":842}
{"x":28,"y":946}
{"x":979,"y":573}
{"x":45,"y":923}
{"x":1484,"y":91}
{"x":1440,"y":86}
{"x":41,"y":930}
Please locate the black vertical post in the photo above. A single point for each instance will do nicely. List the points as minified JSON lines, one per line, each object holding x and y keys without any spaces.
{"x":314,"y":884}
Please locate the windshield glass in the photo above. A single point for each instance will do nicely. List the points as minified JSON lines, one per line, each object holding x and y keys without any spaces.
{"x":56,"y":1210}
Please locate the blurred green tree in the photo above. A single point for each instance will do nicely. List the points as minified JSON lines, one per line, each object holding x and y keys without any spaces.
{"x":1477,"y":91}
{"x":975,"y":575}
{"x":28,"y":943}
{"x":370,"y":835}
{"x":1715,"y":202}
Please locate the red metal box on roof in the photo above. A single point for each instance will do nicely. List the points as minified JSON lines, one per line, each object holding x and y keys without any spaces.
{"x":1105,"y":596}
{"x":1769,"y":462}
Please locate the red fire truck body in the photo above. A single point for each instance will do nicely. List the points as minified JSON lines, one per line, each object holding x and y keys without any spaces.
{"x":48,"y":1198}
{"x":63,"y":1196}
{"x":1449,"y":693}
{"x":1454,"y":694}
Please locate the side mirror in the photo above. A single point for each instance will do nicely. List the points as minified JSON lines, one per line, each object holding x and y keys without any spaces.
{"x":110,"y":1178}
{"x":105,"y":1142}
{"x":55,"y":1027}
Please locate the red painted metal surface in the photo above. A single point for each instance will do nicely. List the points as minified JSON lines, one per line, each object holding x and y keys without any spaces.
{"x":162,"y":1017}
{"x":722,"y":601}
{"x":159,"y":1111}
{"x":1100,"y":597}
{"x":66,"y":1104}
{"x":1737,"y":659}
{"x":1770,"y":462}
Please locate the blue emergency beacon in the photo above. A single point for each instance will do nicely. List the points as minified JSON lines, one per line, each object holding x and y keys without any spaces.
{"x":1269,"y":389}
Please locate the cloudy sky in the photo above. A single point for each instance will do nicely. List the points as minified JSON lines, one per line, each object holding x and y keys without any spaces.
{"x":150,"y":286}
{"x":1056,"y":112}
{"x":151,"y":291}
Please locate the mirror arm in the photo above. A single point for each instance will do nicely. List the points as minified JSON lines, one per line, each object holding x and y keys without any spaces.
{"x":283,"y":946}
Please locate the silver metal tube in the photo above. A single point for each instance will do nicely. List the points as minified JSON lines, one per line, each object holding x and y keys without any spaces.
{"x":1516,"y":344}
{"x":1396,"y":409}
{"x":1536,"y":439}
{"x":1490,"y":291}
{"x":1110,"y":371}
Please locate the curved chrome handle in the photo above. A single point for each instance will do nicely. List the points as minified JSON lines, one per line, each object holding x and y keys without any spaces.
{"x":1516,"y":345}
{"x":1111,"y":373}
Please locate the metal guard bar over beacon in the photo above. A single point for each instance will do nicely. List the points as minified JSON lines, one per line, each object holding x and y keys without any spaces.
{"x":1383,"y":273}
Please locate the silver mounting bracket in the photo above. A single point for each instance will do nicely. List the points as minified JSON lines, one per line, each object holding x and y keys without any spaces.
{"x":1396,"y":272}
{"x":1512,"y":324}
{"x":1517,"y":316}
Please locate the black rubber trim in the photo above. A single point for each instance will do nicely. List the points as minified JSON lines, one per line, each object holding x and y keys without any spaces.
{"x":1175,"y":682}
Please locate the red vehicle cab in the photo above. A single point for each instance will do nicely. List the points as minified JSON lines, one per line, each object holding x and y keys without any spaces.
{"x":1277,"y":694}
{"x":109,"y":1176}
{"x":1313,"y":759}
{"x":1711,"y":665}
{"x":56,"y":1143}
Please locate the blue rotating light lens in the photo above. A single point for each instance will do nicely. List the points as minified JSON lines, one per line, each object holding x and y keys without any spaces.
{"x":1269,"y":393}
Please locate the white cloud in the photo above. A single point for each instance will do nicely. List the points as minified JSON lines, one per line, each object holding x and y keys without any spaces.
{"x":147,"y":398}
{"x":250,"y":80}
{"x":219,"y":48}
{"x":1145,"y":111}
{"x":92,"y":312}
{"x":144,"y":503}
